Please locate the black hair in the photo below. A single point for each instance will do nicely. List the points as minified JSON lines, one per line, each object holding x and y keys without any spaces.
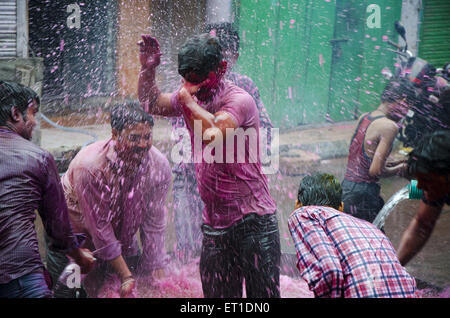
{"x":321,"y":189}
{"x":227,"y":35}
{"x":399,"y":89}
{"x":199,"y":55}
{"x":432,"y":154}
{"x":15,"y":94}
{"x":128,"y":113}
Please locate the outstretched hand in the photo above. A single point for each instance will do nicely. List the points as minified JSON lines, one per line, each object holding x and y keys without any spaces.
{"x":149,"y":52}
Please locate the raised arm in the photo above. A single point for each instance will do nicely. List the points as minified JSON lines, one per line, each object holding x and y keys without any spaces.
{"x":150,"y":97}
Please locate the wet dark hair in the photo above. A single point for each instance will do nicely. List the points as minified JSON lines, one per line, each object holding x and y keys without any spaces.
{"x":320,"y":189}
{"x":199,"y":55}
{"x":227,"y":35}
{"x":128,"y":113}
{"x":398,"y":89}
{"x":15,"y":94}
{"x":431,"y":155}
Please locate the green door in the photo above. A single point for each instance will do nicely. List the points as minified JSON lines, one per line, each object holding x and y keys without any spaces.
{"x":315,"y":61}
{"x":285,"y":49}
{"x":347,"y":60}
{"x":359,"y":56}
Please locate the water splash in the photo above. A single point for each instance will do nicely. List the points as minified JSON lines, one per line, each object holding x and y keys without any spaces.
{"x":399,"y":196}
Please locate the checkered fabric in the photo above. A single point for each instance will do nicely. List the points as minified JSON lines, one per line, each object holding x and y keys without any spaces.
{"x":342,"y":256}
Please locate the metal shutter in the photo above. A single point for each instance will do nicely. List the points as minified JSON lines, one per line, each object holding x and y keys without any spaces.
{"x":8,"y":28}
{"x":435,"y":32}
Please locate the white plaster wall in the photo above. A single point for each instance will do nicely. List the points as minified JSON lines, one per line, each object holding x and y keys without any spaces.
{"x":411,"y":12}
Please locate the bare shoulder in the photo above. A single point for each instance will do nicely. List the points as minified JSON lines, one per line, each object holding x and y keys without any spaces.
{"x":386,"y":126}
{"x":382,"y":128}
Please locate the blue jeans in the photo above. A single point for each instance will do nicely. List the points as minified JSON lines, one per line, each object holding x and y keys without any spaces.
{"x":188,"y":207}
{"x":31,"y":285}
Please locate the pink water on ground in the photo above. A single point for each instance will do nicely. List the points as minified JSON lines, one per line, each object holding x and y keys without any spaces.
{"x":183,"y":281}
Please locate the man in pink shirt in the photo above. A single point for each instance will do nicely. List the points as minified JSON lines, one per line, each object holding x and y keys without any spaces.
{"x":114,"y":188}
{"x":188,"y":205}
{"x":240,"y":228}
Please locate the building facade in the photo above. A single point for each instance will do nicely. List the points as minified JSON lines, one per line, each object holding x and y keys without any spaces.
{"x":313,"y":61}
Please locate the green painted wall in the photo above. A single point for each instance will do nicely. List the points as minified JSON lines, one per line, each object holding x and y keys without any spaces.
{"x":375,"y":55}
{"x":315,"y":60}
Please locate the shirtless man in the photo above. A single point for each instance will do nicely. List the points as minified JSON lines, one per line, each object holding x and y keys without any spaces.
{"x":369,"y":149}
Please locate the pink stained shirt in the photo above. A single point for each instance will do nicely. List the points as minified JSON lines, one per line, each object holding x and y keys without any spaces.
{"x":231,"y":190}
{"x":110,"y":207}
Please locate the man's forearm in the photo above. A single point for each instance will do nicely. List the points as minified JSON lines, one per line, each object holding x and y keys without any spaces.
{"x":148,"y":91}
{"x":196,"y":112}
{"x":418,"y":232}
{"x":397,"y":170}
{"x":120,"y":267}
{"x":412,"y":242}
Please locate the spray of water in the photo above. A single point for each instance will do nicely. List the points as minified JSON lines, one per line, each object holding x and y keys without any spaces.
{"x":399,"y":196}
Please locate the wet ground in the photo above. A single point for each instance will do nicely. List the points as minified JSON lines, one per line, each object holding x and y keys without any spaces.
{"x":431,"y":265}
{"x":323,"y":149}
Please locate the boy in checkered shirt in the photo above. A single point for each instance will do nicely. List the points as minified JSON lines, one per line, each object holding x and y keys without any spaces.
{"x":340,"y":255}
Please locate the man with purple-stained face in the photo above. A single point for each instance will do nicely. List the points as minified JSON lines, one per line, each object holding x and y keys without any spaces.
{"x":29,"y":181}
{"x":114,"y":189}
{"x":188,"y":205}
{"x":240,"y":227}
